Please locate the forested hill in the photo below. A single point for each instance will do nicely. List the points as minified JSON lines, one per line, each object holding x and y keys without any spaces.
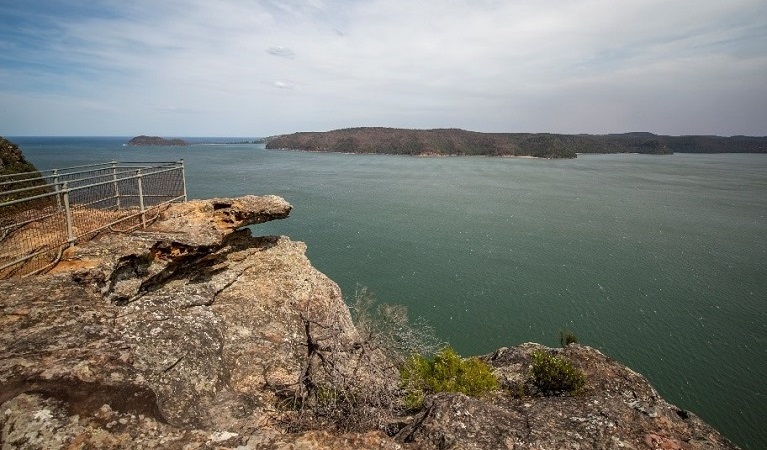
{"x":543,"y":145}
{"x":13,"y":163}
{"x":12,"y":160}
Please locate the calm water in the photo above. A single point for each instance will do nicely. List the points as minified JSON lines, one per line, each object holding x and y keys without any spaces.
{"x":659,"y":261}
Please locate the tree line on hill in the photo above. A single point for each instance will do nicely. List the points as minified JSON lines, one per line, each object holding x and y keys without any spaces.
{"x":12,"y":162}
{"x":450,"y":142}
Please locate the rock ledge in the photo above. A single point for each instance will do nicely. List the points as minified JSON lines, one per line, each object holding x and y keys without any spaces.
{"x":176,"y":337}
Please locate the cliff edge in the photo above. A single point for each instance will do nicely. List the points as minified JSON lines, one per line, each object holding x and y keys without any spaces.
{"x":194,"y":333}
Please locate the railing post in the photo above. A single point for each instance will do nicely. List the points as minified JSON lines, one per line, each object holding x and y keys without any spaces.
{"x":141,"y":198}
{"x":68,"y":212}
{"x":117,"y":189}
{"x":56,"y":188}
{"x":183,"y":178}
{"x":89,"y":191}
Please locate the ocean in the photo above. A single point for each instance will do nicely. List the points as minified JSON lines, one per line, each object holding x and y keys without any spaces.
{"x":658,"y":261}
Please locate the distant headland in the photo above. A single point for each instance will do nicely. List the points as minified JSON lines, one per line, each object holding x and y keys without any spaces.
{"x":155,"y":140}
{"x":457,"y":142}
{"x":12,"y":160}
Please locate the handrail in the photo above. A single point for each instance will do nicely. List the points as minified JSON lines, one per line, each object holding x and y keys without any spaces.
{"x":55,"y":174}
{"x":10,"y":175}
{"x":51,"y":170}
{"x":56,"y":184}
{"x":83,"y":206}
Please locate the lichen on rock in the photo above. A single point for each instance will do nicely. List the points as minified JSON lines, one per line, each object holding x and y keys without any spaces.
{"x":193,"y":332}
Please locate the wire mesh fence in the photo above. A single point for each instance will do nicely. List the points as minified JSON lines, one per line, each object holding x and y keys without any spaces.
{"x":42,"y":213}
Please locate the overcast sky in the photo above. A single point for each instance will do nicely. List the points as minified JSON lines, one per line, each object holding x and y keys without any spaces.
{"x":260,"y":67}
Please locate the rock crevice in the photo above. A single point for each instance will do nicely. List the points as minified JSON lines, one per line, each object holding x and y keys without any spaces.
{"x":193,"y":333}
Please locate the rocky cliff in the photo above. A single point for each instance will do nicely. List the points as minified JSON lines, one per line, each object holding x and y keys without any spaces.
{"x":195,"y":334}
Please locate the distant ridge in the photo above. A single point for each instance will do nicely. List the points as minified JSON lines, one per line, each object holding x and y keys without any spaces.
{"x":155,"y":140}
{"x":449,"y":142}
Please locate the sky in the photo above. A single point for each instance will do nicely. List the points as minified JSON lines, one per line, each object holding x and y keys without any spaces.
{"x":261,"y":67}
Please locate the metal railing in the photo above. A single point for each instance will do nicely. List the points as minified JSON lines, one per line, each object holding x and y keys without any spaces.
{"x":42,"y":213}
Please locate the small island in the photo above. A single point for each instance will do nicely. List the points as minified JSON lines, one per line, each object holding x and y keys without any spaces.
{"x":144,"y":140}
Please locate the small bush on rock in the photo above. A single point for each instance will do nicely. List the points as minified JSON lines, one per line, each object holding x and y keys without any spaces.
{"x":555,"y":375}
{"x":445,"y":372}
{"x":567,"y":337}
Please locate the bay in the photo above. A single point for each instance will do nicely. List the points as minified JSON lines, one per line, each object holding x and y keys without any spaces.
{"x":658,"y":261}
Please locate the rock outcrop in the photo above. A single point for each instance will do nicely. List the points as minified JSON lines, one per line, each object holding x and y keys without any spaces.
{"x":190,"y":333}
{"x":155,"y":140}
{"x":618,"y":409}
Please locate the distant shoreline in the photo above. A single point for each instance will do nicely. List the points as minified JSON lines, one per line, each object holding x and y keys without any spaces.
{"x":299,"y":150}
{"x":456,"y":142}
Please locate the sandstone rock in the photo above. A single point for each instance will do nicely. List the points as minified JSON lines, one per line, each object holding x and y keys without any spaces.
{"x":183,"y":323}
{"x":192,"y":333}
{"x":617,"y":409}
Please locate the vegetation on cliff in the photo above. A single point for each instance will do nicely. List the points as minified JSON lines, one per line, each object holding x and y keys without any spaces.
{"x":446,"y":371}
{"x":555,"y":375}
{"x":12,"y":162}
{"x":155,"y":140}
{"x":543,"y":145}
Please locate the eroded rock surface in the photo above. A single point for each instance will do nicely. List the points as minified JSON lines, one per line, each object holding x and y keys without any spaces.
{"x":180,"y":325}
{"x":184,"y":335}
{"x":617,"y":409}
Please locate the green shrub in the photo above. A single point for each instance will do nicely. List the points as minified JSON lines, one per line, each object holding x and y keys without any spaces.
{"x":445,"y":372}
{"x":554,"y":375}
{"x":567,"y":337}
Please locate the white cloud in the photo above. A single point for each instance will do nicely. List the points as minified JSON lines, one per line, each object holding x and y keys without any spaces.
{"x":280,"y":51}
{"x":281,"y":84}
{"x":574,"y":66}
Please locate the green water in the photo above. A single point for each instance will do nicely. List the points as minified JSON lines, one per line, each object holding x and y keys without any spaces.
{"x":658,"y":261}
